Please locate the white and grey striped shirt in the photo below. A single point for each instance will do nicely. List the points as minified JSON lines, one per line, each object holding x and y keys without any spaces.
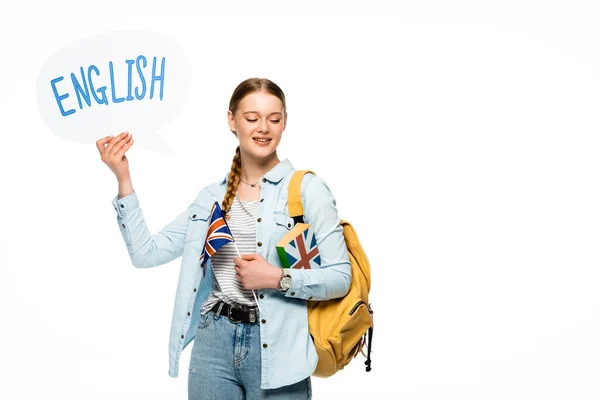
{"x":225,"y":285}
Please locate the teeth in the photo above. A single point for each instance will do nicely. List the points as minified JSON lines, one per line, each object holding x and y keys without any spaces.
{"x":262,"y":140}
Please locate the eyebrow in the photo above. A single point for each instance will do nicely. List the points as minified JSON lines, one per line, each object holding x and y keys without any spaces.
{"x":256,"y":112}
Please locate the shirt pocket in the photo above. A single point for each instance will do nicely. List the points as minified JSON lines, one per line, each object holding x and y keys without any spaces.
{"x":197,"y":223}
{"x":283,"y":220}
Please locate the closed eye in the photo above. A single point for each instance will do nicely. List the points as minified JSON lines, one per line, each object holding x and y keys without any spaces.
{"x":275,"y":121}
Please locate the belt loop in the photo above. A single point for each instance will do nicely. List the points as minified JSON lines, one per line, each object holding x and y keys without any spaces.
{"x":218,"y":313}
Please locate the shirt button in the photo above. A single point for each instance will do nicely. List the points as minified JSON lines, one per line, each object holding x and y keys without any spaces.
{"x":123,"y":225}
{"x":260,"y":219}
{"x":182,"y":336}
{"x":122,"y":206}
{"x":262,"y":296}
{"x":310,"y":298}
{"x":293,"y":294}
{"x":188,"y":314}
{"x":265,"y":345}
{"x":264,"y":180}
{"x":259,"y":244}
{"x":194,"y":289}
{"x":194,"y":216}
{"x":261,"y":200}
{"x":264,"y":321}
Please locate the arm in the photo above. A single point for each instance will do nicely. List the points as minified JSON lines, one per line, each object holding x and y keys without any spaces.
{"x":146,"y":250}
{"x":333,"y":279}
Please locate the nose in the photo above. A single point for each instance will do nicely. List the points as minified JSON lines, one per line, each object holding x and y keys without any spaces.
{"x":262,"y":126}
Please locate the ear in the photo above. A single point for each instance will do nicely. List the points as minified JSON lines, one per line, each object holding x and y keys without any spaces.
{"x":285,"y":118}
{"x":231,"y":121}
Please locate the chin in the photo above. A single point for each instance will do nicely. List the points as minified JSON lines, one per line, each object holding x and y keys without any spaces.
{"x":263,"y":154}
{"x":264,"y":151}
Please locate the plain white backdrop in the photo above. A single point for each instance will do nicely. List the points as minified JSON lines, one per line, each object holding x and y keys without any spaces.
{"x":460,"y":140}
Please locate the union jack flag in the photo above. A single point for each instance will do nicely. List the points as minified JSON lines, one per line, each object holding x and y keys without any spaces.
{"x":301,"y":251}
{"x":217,"y":236}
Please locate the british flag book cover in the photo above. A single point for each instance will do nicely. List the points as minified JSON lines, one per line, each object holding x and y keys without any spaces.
{"x":298,"y":248}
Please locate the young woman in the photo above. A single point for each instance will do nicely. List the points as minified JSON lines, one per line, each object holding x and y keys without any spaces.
{"x":246,"y":316}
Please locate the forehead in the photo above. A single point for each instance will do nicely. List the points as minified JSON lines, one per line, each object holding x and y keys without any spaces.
{"x":260,"y":102}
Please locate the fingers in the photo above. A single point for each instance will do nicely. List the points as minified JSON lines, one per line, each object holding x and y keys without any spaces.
{"x":250,"y":257}
{"x":114,"y":141}
{"x":120,"y":148}
{"x":125,"y":148}
{"x":238,"y":275}
{"x":101,"y":142}
{"x":115,"y":144}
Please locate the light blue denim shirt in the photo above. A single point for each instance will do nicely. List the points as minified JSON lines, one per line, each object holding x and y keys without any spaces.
{"x":288,"y":353}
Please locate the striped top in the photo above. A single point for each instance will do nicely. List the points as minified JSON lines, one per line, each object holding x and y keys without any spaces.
{"x":225,"y":286}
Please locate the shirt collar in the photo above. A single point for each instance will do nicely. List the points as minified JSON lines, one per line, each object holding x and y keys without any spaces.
{"x":275,"y":174}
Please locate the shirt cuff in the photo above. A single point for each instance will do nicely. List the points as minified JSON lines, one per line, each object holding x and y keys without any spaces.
{"x":295,"y":290}
{"x":124,"y":204}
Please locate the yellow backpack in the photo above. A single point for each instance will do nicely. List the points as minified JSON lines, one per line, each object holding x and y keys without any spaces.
{"x":339,"y":326}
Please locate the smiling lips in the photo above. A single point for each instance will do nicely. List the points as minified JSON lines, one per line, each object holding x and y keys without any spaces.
{"x":261,"y":140}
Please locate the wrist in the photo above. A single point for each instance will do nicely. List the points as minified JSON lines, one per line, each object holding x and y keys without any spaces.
{"x":285,"y":281}
{"x":277,"y":275}
{"x":125,"y":187}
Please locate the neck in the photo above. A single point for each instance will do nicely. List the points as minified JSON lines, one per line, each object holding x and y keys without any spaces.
{"x":253,"y":169}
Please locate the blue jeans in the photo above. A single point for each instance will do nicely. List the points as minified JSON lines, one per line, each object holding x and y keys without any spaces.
{"x":225,"y":364}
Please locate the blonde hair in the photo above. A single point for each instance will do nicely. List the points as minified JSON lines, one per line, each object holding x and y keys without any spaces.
{"x":248,"y":86}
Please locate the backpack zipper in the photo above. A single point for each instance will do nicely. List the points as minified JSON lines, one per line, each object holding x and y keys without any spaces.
{"x":356,"y":306}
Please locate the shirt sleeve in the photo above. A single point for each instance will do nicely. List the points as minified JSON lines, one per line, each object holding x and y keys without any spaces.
{"x":333,"y":279}
{"x":146,"y":249}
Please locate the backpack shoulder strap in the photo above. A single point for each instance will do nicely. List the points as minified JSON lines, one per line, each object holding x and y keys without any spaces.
{"x":295,"y":208}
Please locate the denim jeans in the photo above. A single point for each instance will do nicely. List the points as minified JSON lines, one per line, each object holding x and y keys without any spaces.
{"x":225,"y":364}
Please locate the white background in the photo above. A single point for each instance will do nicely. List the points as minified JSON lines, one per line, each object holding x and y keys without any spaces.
{"x":460,"y":139}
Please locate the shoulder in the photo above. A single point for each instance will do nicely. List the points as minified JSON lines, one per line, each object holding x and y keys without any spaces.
{"x":312,"y":183}
{"x":316,"y":192}
{"x":206,"y":196}
{"x":309,"y":181}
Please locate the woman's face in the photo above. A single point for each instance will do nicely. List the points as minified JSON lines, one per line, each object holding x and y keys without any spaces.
{"x":259,"y":116}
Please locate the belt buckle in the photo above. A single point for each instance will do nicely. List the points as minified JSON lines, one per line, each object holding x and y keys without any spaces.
{"x":229,"y":313}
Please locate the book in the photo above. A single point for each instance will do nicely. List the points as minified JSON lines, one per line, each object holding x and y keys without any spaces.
{"x":298,"y":248}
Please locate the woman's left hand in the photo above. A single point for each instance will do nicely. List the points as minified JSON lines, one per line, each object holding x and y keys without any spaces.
{"x":255,"y":272}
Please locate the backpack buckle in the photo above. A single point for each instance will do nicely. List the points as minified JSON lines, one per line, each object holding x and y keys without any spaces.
{"x":298,"y":219}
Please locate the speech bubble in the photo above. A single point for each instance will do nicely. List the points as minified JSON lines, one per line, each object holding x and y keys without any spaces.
{"x":136,"y":81}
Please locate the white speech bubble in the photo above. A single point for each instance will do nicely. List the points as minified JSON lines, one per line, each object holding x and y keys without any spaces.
{"x":105,"y":84}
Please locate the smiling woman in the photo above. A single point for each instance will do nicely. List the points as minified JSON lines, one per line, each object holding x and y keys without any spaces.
{"x":215,"y":307}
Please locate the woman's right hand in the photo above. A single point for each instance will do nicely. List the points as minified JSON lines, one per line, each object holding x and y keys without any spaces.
{"x":112,"y":153}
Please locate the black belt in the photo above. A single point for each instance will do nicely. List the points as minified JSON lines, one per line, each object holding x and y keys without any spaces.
{"x":237,"y":313}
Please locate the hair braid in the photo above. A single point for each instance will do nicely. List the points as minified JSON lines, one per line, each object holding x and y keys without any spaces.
{"x":232,"y":182}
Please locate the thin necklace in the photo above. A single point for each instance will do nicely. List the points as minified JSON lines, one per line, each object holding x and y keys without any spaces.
{"x":251,"y":184}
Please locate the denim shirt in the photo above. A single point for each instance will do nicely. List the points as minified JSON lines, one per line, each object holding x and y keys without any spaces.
{"x":288,"y":354}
